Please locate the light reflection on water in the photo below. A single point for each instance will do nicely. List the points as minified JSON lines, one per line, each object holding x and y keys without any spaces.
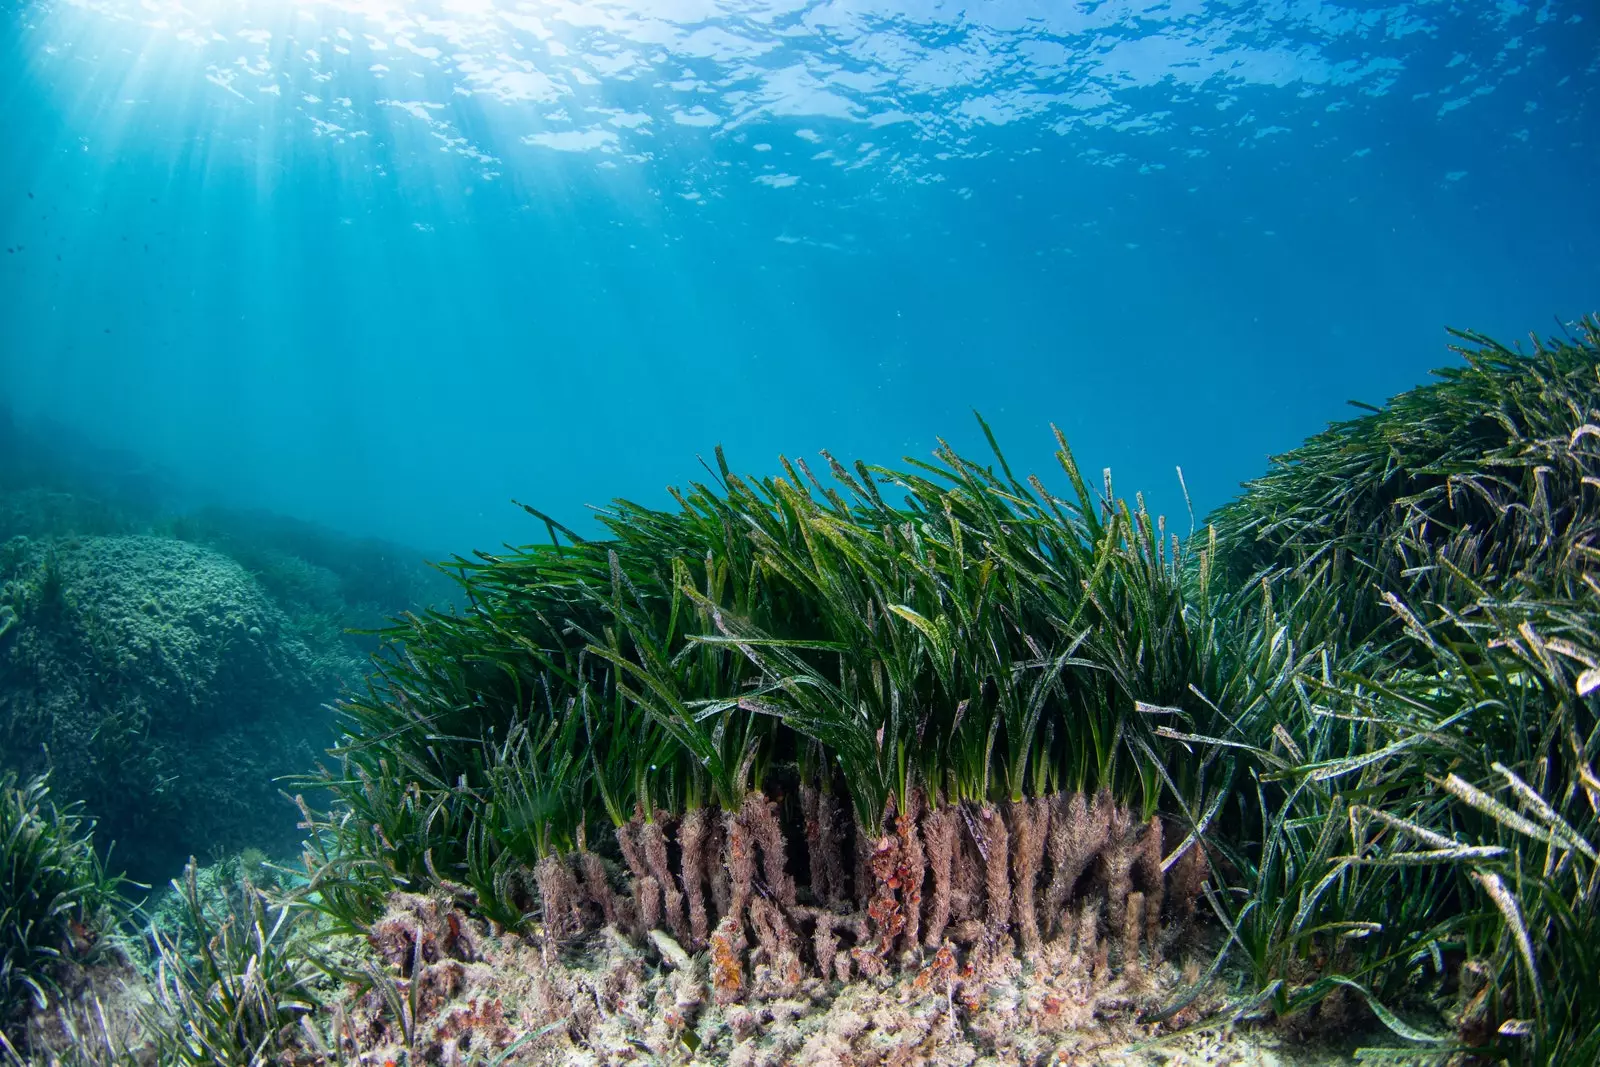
{"x":899,"y":89}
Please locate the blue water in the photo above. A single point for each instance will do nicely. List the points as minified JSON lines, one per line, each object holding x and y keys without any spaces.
{"x":389,"y":265}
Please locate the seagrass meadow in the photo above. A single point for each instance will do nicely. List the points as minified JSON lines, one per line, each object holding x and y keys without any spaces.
{"x":1322,"y":763}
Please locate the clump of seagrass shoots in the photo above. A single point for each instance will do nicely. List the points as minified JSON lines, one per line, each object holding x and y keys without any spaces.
{"x":833,"y":730}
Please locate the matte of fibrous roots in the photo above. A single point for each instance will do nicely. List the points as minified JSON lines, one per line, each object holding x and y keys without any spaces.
{"x":1030,"y":821}
{"x":939,"y":974}
{"x":419,"y":929}
{"x":913,"y":867}
{"x":1188,"y":876}
{"x":597,"y":887}
{"x":654,"y":840}
{"x":741,"y":865}
{"x":825,"y":940}
{"x":825,"y":943}
{"x":939,"y":828}
{"x":692,"y":844}
{"x":1078,"y":831}
{"x":559,"y":896}
{"x":1117,"y":860}
{"x":762,"y":819}
{"x":646,"y":890}
{"x":780,"y":971}
{"x":995,"y":842}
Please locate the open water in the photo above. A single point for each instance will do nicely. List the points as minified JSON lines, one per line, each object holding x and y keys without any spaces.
{"x":388,"y":265}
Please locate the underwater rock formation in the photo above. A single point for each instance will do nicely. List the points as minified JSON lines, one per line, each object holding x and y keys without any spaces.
{"x":161,"y":687}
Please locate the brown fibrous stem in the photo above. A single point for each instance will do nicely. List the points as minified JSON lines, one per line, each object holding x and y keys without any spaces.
{"x":646,"y":890}
{"x":558,"y":896}
{"x":1030,"y":821}
{"x":913,"y":868}
{"x":939,"y":827}
{"x":1078,"y":831}
{"x":1132,"y":930}
{"x":692,"y":846}
{"x":741,"y":865}
{"x":1148,"y":868}
{"x":654,"y":840}
{"x":597,"y":887}
{"x":1117,"y":859}
{"x":762,"y":819}
{"x":995,"y":840}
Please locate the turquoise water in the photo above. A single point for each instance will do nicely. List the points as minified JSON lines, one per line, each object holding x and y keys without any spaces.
{"x":389,"y":265}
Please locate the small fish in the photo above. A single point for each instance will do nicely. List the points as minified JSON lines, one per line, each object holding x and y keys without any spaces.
{"x":30,"y":196}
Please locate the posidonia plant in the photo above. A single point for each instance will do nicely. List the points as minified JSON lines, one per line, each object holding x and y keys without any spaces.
{"x":56,"y":899}
{"x":825,"y":725}
{"x":973,"y":664}
{"x":1478,"y":477}
{"x":240,"y":997}
{"x":1432,"y":797}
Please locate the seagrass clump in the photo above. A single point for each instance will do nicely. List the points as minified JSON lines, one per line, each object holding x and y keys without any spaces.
{"x":1478,"y":477}
{"x":919,"y":721}
{"x":816,"y":730}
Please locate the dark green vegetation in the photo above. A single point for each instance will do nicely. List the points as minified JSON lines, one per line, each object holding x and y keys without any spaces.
{"x":226,"y":983}
{"x":1356,"y":713}
{"x":166,"y":665}
{"x":1449,"y":546}
{"x":55,"y":896}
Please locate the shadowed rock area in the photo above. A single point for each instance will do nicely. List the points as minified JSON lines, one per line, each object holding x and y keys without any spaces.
{"x":167,"y":663}
{"x":163,"y":688}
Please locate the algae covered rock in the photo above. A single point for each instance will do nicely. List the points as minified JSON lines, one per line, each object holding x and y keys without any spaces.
{"x":162,"y":687}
